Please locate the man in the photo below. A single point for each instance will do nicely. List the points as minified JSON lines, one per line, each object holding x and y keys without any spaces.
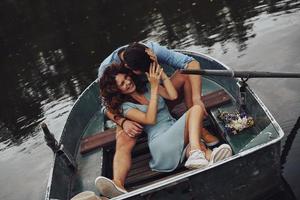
{"x":135,"y":58}
{"x":138,"y":57}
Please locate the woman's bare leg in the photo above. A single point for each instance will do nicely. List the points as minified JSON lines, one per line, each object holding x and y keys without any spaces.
{"x":194,"y":123}
{"x":193,"y":127}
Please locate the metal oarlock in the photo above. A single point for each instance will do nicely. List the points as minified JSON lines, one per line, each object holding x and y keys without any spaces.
{"x":242,"y":94}
{"x":58,"y":149}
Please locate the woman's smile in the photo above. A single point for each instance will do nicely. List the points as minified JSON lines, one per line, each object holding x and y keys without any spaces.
{"x":129,"y":85}
{"x":125,"y":83}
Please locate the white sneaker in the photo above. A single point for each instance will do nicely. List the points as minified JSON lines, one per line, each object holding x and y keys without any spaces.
{"x":107,"y":187}
{"x":220,"y":153}
{"x":196,"y":160}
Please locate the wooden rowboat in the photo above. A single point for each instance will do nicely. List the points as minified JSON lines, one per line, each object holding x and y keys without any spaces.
{"x":250,"y":173}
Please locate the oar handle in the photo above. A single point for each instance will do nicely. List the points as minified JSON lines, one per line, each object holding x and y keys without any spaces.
{"x":242,"y":74}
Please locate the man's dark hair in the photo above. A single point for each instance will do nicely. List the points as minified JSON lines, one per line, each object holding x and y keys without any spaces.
{"x":136,"y":58}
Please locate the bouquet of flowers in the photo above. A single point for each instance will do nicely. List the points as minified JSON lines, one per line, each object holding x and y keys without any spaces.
{"x":235,"y":122}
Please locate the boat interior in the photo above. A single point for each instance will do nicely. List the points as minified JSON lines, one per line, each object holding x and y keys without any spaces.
{"x":90,"y":121}
{"x":98,"y":161}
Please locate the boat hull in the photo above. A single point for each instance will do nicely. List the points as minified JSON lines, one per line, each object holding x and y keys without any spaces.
{"x":250,"y":173}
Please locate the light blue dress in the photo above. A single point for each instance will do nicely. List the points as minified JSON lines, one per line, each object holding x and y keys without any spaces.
{"x":165,"y":138}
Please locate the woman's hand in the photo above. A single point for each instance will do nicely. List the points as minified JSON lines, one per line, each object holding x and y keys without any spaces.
{"x":154,"y":75}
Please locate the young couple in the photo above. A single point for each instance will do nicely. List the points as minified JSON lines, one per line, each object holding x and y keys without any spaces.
{"x":136,"y":106}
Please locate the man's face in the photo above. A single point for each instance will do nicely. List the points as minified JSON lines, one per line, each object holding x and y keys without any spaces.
{"x":140,"y":70}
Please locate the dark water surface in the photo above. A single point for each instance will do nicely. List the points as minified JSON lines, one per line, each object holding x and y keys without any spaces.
{"x":50,"y":51}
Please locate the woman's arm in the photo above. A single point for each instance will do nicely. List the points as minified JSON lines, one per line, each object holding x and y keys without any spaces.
{"x":141,"y":117}
{"x":148,"y":117}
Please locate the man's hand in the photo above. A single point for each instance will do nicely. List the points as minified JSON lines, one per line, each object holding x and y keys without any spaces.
{"x":152,"y":55}
{"x":131,"y":128}
{"x":198,"y":101}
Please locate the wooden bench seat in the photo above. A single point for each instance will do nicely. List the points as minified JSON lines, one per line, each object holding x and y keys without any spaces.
{"x":107,"y":137}
{"x":140,"y":174}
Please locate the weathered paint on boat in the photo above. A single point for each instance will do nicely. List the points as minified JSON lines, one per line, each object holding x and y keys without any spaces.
{"x":251,"y":172}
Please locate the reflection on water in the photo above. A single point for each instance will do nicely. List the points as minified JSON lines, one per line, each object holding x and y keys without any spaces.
{"x":50,"y":50}
{"x":289,"y":142}
{"x":285,"y":191}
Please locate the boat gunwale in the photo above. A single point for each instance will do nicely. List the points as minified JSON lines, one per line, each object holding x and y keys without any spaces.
{"x":50,"y":178}
{"x":75,"y":103}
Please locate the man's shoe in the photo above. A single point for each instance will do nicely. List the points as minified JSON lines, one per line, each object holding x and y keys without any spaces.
{"x":107,"y":187}
{"x":220,"y":153}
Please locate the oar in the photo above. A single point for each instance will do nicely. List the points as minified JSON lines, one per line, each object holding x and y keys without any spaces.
{"x":242,"y":74}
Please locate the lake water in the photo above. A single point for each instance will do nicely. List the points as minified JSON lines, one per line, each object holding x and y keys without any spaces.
{"x":50,"y":52}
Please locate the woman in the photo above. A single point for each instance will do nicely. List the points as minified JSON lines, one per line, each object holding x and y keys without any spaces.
{"x":167,"y":137}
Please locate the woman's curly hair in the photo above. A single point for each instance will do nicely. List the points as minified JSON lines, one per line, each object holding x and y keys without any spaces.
{"x":111,"y":96}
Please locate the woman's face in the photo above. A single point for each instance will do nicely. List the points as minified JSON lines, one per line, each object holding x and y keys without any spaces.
{"x":125,"y":83}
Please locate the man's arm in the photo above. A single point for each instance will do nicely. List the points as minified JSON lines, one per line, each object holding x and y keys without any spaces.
{"x":131,"y":128}
{"x":179,"y":61}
